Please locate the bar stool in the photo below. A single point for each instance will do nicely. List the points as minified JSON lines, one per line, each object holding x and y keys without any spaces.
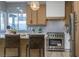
{"x":12,"y":41}
{"x":36,"y":42}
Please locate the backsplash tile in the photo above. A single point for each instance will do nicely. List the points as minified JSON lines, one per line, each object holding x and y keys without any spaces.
{"x":52,"y":26}
{"x":55,"y":26}
{"x":36,"y":29}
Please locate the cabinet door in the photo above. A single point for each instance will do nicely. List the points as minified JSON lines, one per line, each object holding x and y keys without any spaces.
{"x":76,"y":10}
{"x":55,"y":9}
{"x":34,"y":17}
{"x":68,"y":8}
{"x":42,"y":15}
{"x":77,"y":40}
{"x":29,"y":15}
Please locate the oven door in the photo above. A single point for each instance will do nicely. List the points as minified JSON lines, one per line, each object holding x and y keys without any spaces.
{"x":55,"y":42}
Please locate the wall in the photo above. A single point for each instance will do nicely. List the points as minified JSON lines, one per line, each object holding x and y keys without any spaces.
{"x":36,"y":28}
{"x":55,"y":8}
{"x":55,"y":26}
{"x":52,"y":26}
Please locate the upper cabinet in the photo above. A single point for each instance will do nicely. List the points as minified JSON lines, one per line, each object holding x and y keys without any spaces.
{"x":69,"y":10}
{"x":76,"y":10}
{"x":36,"y":17}
{"x":55,"y":9}
{"x":42,"y":15}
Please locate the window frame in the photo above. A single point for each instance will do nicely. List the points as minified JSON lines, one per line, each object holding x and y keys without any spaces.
{"x":3,"y":18}
{"x":18,"y":21}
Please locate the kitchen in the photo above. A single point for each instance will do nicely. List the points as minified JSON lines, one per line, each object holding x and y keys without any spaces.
{"x":50,"y":24}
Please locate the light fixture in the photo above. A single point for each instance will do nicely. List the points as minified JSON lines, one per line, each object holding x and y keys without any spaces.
{"x":34,"y":5}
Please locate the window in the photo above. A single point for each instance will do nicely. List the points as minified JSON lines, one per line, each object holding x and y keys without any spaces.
{"x":17,"y":21}
{"x":14,"y":15}
{"x":2,"y":24}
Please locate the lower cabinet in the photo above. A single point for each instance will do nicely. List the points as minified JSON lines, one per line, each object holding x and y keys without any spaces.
{"x":77,"y":40}
{"x":58,"y":54}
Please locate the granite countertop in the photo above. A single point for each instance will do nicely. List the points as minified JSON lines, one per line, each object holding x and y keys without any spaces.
{"x":26,"y":35}
{"x":36,"y":33}
{"x":22,"y":36}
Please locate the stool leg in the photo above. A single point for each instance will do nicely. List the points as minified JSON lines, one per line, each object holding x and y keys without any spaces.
{"x":39,"y":52}
{"x":43,"y":52}
{"x":29,"y":51}
{"x":29,"y":48}
{"x":4,"y":52}
{"x":26,"y":50}
{"x":18,"y":51}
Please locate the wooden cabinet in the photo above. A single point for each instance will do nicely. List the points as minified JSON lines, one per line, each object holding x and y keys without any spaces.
{"x":29,"y":15}
{"x":76,"y":10}
{"x":42,"y":15}
{"x":57,"y":54}
{"x":77,"y":40}
{"x":55,"y":9}
{"x":36,"y":17}
{"x":68,"y":9}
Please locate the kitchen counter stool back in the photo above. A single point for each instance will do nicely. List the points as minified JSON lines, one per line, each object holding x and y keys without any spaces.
{"x":12,"y":41}
{"x":36,"y":42}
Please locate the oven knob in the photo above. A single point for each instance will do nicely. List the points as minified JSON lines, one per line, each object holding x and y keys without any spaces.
{"x":50,"y":46}
{"x":53,"y":36}
{"x":56,"y":35}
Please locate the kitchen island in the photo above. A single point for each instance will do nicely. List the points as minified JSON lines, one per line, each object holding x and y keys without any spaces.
{"x":24,"y":41}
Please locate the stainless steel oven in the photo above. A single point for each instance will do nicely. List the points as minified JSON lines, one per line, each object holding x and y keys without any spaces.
{"x":55,"y":41}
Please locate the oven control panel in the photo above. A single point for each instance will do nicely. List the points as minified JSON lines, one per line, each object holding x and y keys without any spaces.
{"x":58,"y":35}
